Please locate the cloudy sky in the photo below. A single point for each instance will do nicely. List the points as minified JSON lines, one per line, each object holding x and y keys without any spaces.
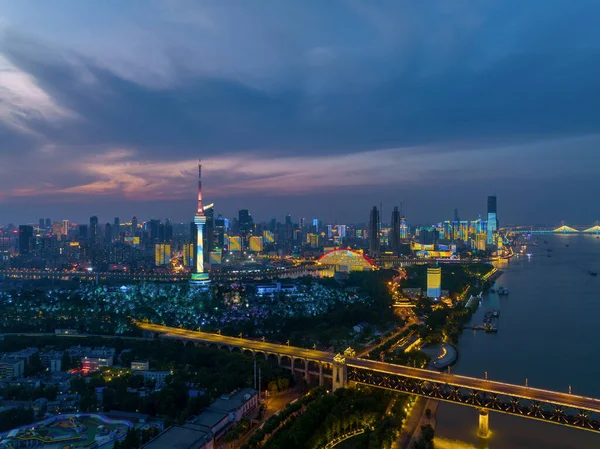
{"x":314,"y":108}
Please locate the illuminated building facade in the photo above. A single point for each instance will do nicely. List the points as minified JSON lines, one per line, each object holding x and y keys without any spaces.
{"x":199,"y":276}
{"x":256,"y":244}
{"x":188,"y":255}
{"x":235,"y":243}
{"x":162,"y":254}
{"x":492,"y":221}
{"x":268,"y":237}
{"x":434,"y":282}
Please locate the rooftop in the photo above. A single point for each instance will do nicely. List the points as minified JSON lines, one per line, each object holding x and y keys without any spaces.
{"x":228,"y":403}
{"x":180,"y":437}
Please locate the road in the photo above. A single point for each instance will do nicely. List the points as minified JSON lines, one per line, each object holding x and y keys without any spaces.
{"x":274,"y":404}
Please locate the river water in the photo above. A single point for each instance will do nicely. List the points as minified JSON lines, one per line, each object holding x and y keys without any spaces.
{"x":547,"y":334}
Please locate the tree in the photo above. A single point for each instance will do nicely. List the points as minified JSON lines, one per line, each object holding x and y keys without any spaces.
{"x":65,"y":361}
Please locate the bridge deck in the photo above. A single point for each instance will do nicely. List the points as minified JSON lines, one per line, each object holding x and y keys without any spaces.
{"x":535,"y":394}
{"x":483,"y":385}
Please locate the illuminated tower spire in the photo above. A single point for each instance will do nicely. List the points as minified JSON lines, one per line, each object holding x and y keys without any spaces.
{"x":200,"y":208}
{"x":199,"y":277}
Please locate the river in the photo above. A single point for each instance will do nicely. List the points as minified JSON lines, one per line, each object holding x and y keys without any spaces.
{"x":546,"y":334}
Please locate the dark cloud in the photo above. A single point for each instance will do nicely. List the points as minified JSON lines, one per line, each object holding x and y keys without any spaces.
{"x":433,"y":80}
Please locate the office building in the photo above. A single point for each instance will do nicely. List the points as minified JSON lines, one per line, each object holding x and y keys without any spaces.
{"x":246,"y":226}
{"x":134,"y":227}
{"x":93,"y":229}
{"x":65,"y":224}
{"x":209,"y":231}
{"x":25,"y":239}
{"x":434,"y":282}
{"x":108,"y":233}
{"x":83,"y":232}
{"x":219,"y":233}
{"x":374,"y":228}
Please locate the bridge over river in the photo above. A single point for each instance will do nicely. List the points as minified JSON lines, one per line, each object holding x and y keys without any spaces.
{"x":485,"y":395}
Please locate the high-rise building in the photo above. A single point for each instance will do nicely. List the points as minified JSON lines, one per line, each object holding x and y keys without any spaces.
{"x":48,"y":224}
{"x":374,"y":228}
{"x":219,"y":241}
{"x":168,"y":231}
{"x":492,"y":219}
{"x":246,"y":225}
{"x":93,"y":229}
{"x":395,"y":231}
{"x":116,"y":229}
{"x":209,"y":231}
{"x":256,"y":243}
{"x":25,"y":239}
{"x":83,"y":232}
{"x":434,"y":282}
{"x":57,"y":229}
{"x":162,"y":254}
{"x":134,"y":227}
{"x":108,"y":233}
{"x":199,"y":276}
{"x":42,"y":225}
{"x":154,"y":226}
{"x":65,"y":225}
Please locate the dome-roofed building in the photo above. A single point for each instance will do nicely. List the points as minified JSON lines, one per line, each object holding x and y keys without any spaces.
{"x":345,"y":260}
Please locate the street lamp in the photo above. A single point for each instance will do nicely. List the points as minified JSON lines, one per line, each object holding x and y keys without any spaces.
{"x":485,"y":375}
{"x":287,"y":342}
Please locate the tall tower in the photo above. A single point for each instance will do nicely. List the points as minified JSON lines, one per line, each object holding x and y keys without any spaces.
{"x":199,"y":277}
{"x":395,"y":231}
{"x":492,"y":218}
{"x":374,"y":227}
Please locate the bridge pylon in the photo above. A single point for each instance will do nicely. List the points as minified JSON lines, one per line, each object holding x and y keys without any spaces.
{"x":484,"y":423}
{"x":340,"y":372}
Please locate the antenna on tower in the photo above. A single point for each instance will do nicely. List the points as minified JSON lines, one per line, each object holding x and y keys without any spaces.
{"x":401,"y":213}
{"x":200,"y":208}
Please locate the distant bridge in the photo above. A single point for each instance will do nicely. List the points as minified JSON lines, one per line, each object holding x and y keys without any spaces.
{"x":564,"y":229}
{"x":484,"y":395}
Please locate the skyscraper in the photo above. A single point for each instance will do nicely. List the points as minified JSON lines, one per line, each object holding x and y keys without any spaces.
{"x":209,"y":231}
{"x":374,"y":227}
{"x":48,"y":223}
{"x":134,"y":226}
{"x":83,"y":232}
{"x":219,"y":232}
{"x":395,"y":231}
{"x":25,"y":239}
{"x":199,"y":277}
{"x":65,"y":225}
{"x":246,"y":225}
{"x":168,"y":231}
{"x":108,"y":233}
{"x":93,"y":230}
{"x":116,"y":229}
{"x":492,"y":219}
{"x":42,"y":225}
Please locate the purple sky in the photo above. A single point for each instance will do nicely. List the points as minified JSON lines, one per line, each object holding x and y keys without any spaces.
{"x":318,"y":109}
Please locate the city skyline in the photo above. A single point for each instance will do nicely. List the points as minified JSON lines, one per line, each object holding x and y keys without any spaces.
{"x":435,"y":107}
